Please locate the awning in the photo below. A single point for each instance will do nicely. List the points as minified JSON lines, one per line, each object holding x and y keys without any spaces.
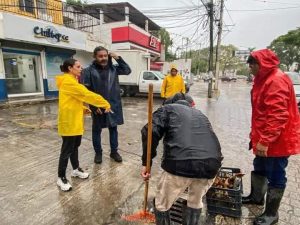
{"x":156,"y":66}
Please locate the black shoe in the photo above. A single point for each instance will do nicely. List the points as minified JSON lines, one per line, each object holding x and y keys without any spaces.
{"x":270,"y":215}
{"x":191,"y":216}
{"x":259,"y":185}
{"x":161,"y":218}
{"x":98,"y":158}
{"x":116,"y":156}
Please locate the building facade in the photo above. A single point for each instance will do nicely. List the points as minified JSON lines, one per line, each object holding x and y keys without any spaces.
{"x":123,"y":27}
{"x":35,"y":38}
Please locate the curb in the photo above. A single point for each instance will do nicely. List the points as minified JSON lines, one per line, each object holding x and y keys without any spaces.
{"x":18,"y":103}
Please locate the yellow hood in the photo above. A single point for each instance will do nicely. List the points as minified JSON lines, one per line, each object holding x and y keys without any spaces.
{"x":173,"y":67}
{"x":60,"y":78}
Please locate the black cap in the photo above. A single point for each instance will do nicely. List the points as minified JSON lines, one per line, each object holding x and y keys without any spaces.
{"x":180,"y":97}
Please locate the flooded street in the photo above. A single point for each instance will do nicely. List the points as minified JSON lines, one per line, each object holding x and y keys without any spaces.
{"x":30,"y":147}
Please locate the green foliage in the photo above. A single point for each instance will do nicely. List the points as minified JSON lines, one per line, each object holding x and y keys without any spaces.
{"x":243,"y":70}
{"x":167,"y":42}
{"x":227,"y":60}
{"x":165,"y":38}
{"x":170,"y":56}
{"x":76,"y":2}
{"x":287,"y":47}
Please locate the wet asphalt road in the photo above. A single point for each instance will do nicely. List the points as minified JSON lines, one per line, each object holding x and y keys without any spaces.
{"x":30,"y":146}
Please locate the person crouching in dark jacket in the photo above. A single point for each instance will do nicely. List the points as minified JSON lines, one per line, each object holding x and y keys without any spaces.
{"x":191,"y":159}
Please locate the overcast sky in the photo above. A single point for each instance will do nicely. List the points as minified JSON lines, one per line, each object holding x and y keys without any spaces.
{"x":252,"y":28}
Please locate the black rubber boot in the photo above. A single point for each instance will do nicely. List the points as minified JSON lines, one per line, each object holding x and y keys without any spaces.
{"x":116,"y":156}
{"x":161,"y":218}
{"x":98,"y":158}
{"x":259,"y":186}
{"x":270,"y":215}
{"x":191,"y":216}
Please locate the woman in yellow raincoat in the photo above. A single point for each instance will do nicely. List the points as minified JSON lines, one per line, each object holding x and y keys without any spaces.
{"x":72,"y":96}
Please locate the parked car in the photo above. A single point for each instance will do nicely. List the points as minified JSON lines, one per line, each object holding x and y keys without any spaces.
{"x":196,"y":78}
{"x":228,"y":78}
{"x":241,"y":77}
{"x":188,"y":81}
{"x":206,"y":78}
{"x":295,"y":77}
{"x":140,"y":78}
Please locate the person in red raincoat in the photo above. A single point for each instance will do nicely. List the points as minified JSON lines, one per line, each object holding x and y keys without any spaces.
{"x":275,"y":133}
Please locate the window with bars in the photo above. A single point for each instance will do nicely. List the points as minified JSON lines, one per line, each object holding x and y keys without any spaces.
{"x":27,"y":5}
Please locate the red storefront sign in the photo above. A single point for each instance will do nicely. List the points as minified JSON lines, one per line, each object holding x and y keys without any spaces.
{"x":129,"y":34}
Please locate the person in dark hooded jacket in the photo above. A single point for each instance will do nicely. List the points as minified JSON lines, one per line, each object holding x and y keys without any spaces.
{"x":275,"y":133}
{"x":102,"y":77}
{"x":191,"y":158}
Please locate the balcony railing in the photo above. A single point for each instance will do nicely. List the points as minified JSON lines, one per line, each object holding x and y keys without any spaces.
{"x":77,"y":19}
{"x":53,"y":11}
{"x":48,"y":10}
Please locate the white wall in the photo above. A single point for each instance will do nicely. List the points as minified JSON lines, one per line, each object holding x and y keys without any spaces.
{"x":121,"y":46}
{"x":105,"y":31}
{"x":20,"y":28}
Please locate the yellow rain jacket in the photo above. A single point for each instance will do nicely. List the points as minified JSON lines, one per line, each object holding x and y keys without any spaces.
{"x":172,"y":85}
{"x":72,"y":95}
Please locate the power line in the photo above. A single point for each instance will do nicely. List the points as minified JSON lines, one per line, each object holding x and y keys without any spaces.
{"x":229,"y":14}
{"x":275,"y":2}
{"x":184,"y":25}
{"x":260,"y":10}
{"x":181,"y":23}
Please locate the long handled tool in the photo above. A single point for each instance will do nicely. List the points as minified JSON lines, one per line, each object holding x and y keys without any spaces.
{"x":145,"y":215}
{"x":149,"y":143}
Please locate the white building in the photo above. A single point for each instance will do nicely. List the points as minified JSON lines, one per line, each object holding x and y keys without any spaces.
{"x":33,"y":49}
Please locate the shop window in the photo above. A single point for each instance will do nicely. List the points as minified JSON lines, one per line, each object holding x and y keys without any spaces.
{"x":21,"y":73}
{"x":27,"y":5}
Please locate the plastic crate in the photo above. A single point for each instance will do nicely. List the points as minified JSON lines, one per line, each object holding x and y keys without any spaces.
{"x":225,"y":201}
{"x":176,"y":211}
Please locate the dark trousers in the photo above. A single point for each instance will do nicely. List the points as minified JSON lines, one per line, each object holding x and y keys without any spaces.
{"x":69,"y":149}
{"x":273,"y":168}
{"x":113,"y":138}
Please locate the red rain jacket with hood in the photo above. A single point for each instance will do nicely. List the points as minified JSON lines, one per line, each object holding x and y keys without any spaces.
{"x":275,"y":115}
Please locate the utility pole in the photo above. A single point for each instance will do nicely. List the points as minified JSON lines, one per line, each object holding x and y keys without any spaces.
{"x":186,"y":48}
{"x":210,"y":6}
{"x":219,"y":45}
{"x":198,"y":59}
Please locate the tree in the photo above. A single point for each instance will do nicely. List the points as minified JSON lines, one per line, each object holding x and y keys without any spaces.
{"x":77,"y":2}
{"x":287,"y":47}
{"x":228,"y":61}
{"x":199,"y":60}
{"x":165,"y":38}
{"x":167,"y":42}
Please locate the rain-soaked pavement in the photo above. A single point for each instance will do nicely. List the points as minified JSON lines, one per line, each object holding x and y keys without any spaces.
{"x":30,"y":146}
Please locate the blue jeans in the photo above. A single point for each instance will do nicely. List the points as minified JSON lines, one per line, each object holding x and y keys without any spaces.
{"x":113,"y":138}
{"x":273,"y":168}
